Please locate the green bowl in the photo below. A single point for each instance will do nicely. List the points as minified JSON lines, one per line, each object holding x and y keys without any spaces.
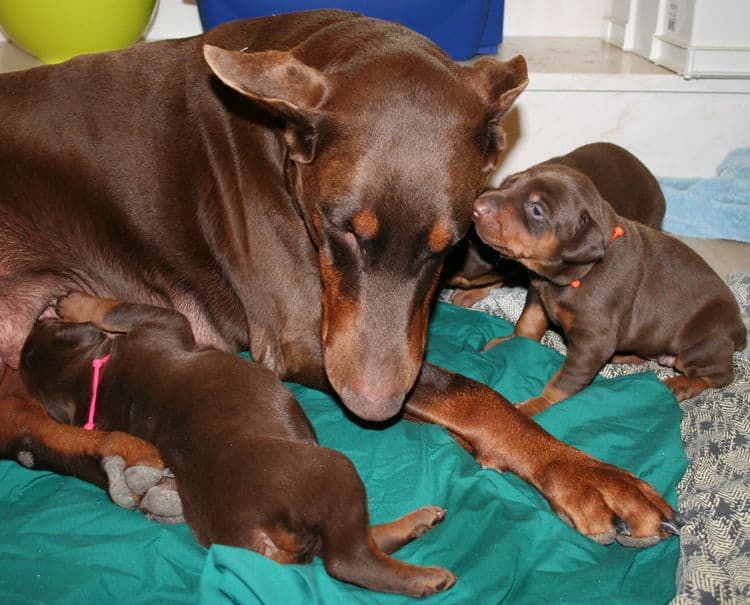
{"x":55,"y":30}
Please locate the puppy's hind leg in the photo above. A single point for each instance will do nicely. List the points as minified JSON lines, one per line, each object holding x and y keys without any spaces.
{"x":705,"y":365}
{"x":351,"y":549}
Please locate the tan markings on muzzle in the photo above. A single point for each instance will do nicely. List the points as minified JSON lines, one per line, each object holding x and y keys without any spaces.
{"x":440,"y":236}
{"x":418,"y":325}
{"x":338,"y":309}
{"x":507,"y":233}
{"x":365,"y":224}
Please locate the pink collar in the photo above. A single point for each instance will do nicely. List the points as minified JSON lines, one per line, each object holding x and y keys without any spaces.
{"x":97,"y":364}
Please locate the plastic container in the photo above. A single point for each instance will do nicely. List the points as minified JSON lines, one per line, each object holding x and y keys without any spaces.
{"x":55,"y":30}
{"x":463,"y":28}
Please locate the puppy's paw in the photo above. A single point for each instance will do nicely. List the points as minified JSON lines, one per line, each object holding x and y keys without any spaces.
{"x":162,"y":502}
{"x":432,"y":580}
{"x":121,"y":494}
{"x":137,"y":477}
{"x":685,"y":387}
{"x":424,"y":519}
{"x":495,"y":341}
{"x":467,"y":297}
{"x":608,"y":504}
{"x":534,"y":405}
{"x":75,"y":306}
{"x":152,"y":490}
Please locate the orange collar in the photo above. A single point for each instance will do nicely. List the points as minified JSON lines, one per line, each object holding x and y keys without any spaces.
{"x":616,"y":232}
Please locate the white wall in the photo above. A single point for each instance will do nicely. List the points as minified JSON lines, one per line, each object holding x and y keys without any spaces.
{"x":175,"y":19}
{"x":555,"y":17}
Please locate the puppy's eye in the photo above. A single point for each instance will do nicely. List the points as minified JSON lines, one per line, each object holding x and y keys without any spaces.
{"x":535,"y":209}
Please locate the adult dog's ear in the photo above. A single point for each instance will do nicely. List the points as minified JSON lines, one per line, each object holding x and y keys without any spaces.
{"x":282,"y":84}
{"x":587,"y":243}
{"x":499,"y":84}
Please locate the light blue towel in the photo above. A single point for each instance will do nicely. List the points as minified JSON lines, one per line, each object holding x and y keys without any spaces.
{"x":717,"y":207}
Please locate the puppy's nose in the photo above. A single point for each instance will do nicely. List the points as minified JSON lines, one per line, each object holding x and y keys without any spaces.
{"x":483,"y":205}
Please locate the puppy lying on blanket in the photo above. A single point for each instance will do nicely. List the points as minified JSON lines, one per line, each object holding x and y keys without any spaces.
{"x":244,"y":455}
{"x":612,"y":284}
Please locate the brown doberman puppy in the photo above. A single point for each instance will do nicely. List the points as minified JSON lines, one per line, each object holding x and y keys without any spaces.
{"x":612,"y":284}
{"x":282,"y":495}
{"x":292,"y":185}
{"x":620,"y":178}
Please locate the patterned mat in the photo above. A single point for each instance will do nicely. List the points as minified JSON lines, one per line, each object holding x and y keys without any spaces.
{"x":714,"y":494}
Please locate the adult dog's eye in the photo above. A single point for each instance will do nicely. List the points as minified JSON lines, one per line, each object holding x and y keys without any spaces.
{"x":351,"y":240}
{"x":356,"y":244}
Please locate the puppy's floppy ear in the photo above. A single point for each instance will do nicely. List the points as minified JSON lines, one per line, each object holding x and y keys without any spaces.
{"x":499,"y":84}
{"x":587,"y":243}
{"x":282,"y":84}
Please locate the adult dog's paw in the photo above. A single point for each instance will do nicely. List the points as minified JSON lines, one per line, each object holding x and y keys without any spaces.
{"x":607,"y":503}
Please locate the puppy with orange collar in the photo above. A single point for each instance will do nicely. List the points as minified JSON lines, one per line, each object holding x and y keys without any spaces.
{"x":612,"y":285}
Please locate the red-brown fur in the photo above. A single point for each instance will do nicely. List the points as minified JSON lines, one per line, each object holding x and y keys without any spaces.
{"x":621,"y":179}
{"x":259,"y":480}
{"x":634,"y":291}
{"x":219,"y":175}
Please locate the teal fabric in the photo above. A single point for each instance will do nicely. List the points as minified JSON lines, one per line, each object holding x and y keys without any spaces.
{"x":61,"y":541}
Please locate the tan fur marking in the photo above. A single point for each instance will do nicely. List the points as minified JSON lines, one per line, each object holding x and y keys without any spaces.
{"x":440,"y":236}
{"x":564,"y":317}
{"x":365,"y":224}
{"x":338,"y":309}
{"x":507,"y":234}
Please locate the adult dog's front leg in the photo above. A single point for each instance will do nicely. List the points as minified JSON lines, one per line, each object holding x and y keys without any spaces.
{"x":601,"y":501}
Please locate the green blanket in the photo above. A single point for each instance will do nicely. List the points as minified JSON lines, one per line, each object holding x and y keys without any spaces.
{"x":62,"y":541}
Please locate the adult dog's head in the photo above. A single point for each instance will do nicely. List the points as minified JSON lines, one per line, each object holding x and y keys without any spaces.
{"x":387,"y":142}
{"x":550,"y":218}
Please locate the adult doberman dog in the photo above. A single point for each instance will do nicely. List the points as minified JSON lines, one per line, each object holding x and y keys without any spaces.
{"x":292,"y":185}
{"x":281,"y":493}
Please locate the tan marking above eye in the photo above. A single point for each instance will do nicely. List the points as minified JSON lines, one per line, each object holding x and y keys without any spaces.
{"x":365,"y":224}
{"x":440,"y":236}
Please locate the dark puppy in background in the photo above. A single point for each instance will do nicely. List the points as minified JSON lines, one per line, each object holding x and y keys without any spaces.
{"x":245,"y":458}
{"x":620,"y":178}
{"x":612,"y":284}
